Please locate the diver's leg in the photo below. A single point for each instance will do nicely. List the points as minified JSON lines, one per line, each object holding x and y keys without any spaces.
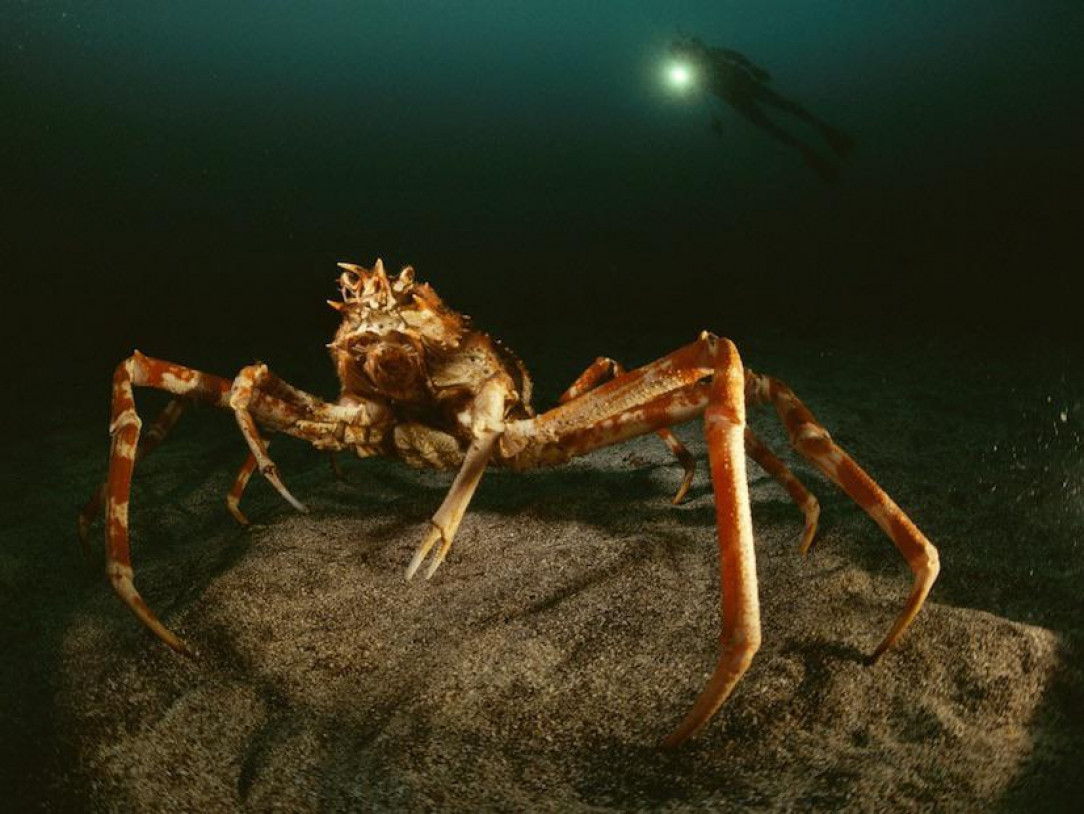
{"x":825,"y":169}
{"x":840,"y":143}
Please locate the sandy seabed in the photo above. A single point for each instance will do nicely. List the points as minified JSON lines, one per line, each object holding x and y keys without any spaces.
{"x":573,"y":624}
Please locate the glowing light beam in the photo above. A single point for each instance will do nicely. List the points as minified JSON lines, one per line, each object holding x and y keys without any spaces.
{"x":679,"y":75}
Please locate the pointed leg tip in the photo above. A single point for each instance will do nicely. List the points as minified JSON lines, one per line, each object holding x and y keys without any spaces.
{"x":686,"y":483}
{"x":125,"y":589}
{"x":673,"y":741}
{"x":270,"y":472}
{"x":880,"y":651}
{"x":166,"y":636}
{"x":422,"y":550}
{"x":297,"y":504}
{"x":875,"y":656}
{"x":809,"y":537}
{"x":181,"y":647}
{"x":415,"y":563}
{"x":433,"y":566}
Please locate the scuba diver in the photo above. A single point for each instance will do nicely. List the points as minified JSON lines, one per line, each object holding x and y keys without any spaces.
{"x":732,"y":77}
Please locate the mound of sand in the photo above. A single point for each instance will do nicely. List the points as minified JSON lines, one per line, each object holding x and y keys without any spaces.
{"x":570,"y":629}
{"x":575,"y":620}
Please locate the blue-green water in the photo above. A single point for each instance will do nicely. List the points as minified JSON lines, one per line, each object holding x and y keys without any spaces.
{"x":518,"y":143}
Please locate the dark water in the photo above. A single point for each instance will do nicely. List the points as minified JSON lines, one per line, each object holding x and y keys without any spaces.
{"x":182,"y":177}
{"x":170,"y":168}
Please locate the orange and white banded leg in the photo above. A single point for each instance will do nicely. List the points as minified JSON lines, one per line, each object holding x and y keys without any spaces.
{"x":148,"y":441}
{"x":241,"y":395}
{"x":124,"y":429}
{"x":307,"y":403}
{"x":233,"y":497}
{"x":646,"y":399}
{"x":739,"y":639}
{"x":815,"y":444}
{"x":270,"y":383}
{"x":770,"y":463}
{"x":604,"y":369}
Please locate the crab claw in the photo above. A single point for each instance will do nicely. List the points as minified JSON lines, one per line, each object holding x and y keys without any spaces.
{"x":445,"y":522}
{"x":487,"y":426}
{"x":426,"y":545}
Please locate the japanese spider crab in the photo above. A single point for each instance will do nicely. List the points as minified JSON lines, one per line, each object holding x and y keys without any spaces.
{"x":419,"y":383}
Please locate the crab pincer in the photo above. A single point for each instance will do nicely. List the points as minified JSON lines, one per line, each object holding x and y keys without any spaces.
{"x":487,"y":411}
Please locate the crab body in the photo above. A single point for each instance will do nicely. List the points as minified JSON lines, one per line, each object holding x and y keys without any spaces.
{"x":399,"y":345}
{"x":419,"y":383}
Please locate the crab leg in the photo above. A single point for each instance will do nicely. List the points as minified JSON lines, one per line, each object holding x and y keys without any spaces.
{"x":268,"y":384}
{"x":675,"y":408}
{"x":604,"y":369}
{"x":811,"y":440}
{"x":240,"y":400}
{"x":487,"y":425}
{"x":272,"y":384}
{"x":240,"y":483}
{"x":147,"y":444}
{"x":683,"y":367}
{"x":233,"y":497}
{"x":124,"y":429}
{"x":785,"y":478}
{"x":668,"y":409}
{"x":814,"y":443}
{"x":666,"y":392}
{"x":739,"y":640}
{"x":660,"y":394}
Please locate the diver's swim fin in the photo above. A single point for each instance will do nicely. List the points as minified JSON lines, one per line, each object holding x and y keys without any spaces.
{"x":840,"y":143}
